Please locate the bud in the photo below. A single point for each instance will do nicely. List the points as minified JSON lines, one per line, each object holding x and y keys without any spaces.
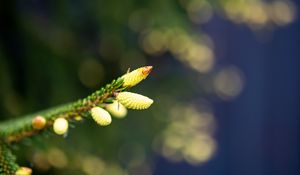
{"x":117,"y":109}
{"x":60,"y":126}
{"x":38,"y":122}
{"x":78,"y":118}
{"x":101,"y":116}
{"x":134,"y":77}
{"x":134,"y":101}
{"x":23,"y":171}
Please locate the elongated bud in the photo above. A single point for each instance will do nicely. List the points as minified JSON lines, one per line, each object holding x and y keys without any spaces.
{"x":101,"y":116}
{"x":60,"y":126}
{"x":116,"y":109}
{"x":134,"y":101}
{"x":23,"y":171}
{"x":38,"y":122}
{"x":134,"y":77}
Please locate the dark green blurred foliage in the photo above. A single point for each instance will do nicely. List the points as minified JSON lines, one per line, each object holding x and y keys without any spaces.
{"x":53,"y":52}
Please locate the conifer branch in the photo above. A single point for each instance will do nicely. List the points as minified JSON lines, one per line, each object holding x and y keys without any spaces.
{"x":92,"y":106}
{"x":15,"y":130}
{"x":8,"y":165}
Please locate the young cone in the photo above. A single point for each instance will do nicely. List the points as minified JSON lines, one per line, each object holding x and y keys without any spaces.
{"x":116,"y":109}
{"x":24,"y":171}
{"x":60,"y":126}
{"x":134,"y":101}
{"x":38,"y":122}
{"x":101,"y":116}
{"x":134,"y":77}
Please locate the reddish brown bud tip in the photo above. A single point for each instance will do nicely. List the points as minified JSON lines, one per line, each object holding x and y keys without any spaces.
{"x":147,"y":69}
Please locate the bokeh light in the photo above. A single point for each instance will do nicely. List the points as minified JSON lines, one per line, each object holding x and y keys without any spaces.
{"x":193,"y":51}
{"x":279,"y":12}
{"x":189,"y":136}
{"x":57,"y":158}
{"x":228,"y":83}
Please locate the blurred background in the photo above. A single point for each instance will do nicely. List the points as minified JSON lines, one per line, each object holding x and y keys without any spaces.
{"x":225,"y":83}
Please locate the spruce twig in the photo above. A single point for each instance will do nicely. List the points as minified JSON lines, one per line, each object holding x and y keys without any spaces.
{"x":15,"y":130}
{"x":8,"y":165}
{"x":33,"y":124}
